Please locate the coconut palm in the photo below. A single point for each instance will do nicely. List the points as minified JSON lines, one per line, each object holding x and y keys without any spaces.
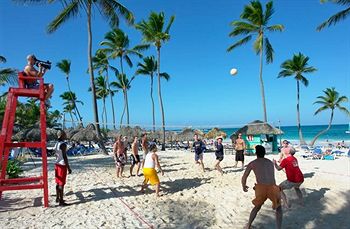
{"x":330,"y":101}
{"x":100,"y":61}
{"x":102,"y":92}
{"x":110,"y":10}
{"x":7,"y":75}
{"x":154,"y":31}
{"x":297,"y":67}
{"x":64,"y":66}
{"x":342,"y":15}
{"x":255,"y":22}
{"x":148,"y":68}
{"x":70,"y":101}
{"x":124,"y":84}
{"x":117,"y":46}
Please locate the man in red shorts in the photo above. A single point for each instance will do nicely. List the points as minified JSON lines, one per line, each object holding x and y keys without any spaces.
{"x":294,"y":177}
{"x":61,"y":166}
{"x":265,"y":187}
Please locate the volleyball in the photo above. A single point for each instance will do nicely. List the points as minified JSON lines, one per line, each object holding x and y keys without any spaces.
{"x":233,"y":71}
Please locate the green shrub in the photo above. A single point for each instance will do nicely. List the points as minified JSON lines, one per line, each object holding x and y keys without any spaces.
{"x":13,"y":168}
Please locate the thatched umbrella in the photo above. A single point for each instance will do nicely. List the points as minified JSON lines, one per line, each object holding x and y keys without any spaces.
{"x":20,"y":136}
{"x":171,"y":136}
{"x":35,"y":134}
{"x":215,"y":132}
{"x":130,"y":132}
{"x":86,"y":134}
{"x":258,"y":127}
{"x":71,"y":131}
{"x":155,"y":135}
{"x":186,"y":134}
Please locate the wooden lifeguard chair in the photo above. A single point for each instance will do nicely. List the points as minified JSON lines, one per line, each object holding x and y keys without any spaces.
{"x":6,"y":143}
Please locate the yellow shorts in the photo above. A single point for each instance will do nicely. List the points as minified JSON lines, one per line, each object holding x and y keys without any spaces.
{"x":151,"y":176}
{"x":264,"y":192}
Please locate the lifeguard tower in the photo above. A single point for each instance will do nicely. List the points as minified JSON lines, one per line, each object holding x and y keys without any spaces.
{"x":39,"y":182}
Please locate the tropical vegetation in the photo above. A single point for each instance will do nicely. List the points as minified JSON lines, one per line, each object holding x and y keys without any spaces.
{"x":336,"y":18}
{"x":255,"y":22}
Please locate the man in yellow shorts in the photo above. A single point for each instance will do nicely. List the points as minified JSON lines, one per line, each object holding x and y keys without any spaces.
{"x":265,"y":187}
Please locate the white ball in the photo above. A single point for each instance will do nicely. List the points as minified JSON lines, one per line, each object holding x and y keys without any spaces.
{"x":233,"y":71}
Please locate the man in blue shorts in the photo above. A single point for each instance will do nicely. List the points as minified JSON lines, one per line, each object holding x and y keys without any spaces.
{"x":198,"y":146}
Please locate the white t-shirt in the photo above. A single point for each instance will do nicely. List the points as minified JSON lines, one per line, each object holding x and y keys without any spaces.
{"x":58,"y":153}
{"x":149,"y":162}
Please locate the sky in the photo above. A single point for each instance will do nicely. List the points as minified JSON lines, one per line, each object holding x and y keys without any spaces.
{"x":201,"y":92}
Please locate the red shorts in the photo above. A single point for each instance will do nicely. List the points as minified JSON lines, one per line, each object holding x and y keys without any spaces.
{"x":60,"y":174}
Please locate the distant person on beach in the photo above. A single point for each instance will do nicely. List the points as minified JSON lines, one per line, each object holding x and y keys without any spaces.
{"x":119,"y":155}
{"x":61,"y":166}
{"x":265,"y":187}
{"x":240,"y":148}
{"x":198,"y":146}
{"x":144,"y":145}
{"x":285,"y":150}
{"x":219,"y":153}
{"x":294,"y":177}
{"x":149,"y":171}
{"x":30,"y":71}
{"x":135,"y":157}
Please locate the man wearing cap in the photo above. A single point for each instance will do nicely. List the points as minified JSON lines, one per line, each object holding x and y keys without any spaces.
{"x":29,"y":70}
{"x":61,"y":167}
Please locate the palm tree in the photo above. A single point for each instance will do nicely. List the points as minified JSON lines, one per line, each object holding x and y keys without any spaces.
{"x":330,"y":101}
{"x":255,"y":22}
{"x":123,"y":84}
{"x":7,"y":75}
{"x":149,"y":67}
{"x":342,"y":15}
{"x":100,"y":61}
{"x":152,"y":31}
{"x":64,"y":66}
{"x":297,"y":67}
{"x":70,"y":101}
{"x":102,"y":92}
{"x":110,"y":10}
{"x":117,"y":45}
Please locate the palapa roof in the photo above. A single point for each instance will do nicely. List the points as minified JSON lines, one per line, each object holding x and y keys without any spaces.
{"x":187,"y":134}
{"x":130,"y":132}
{"x":86,"y":134}
{"x":34,"y":134}
{"x":215,"y":132}
{"x":259,"y":127}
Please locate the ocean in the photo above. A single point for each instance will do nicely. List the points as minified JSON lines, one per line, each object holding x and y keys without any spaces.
{"x":337,"y":133}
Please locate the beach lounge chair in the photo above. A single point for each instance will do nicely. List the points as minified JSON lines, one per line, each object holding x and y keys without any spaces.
{"x":317,"y":153}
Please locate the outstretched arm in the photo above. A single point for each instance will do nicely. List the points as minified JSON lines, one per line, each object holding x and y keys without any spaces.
{"x":157,"y":163}
{"x":245,"y":176}
{"x":276,"y":165}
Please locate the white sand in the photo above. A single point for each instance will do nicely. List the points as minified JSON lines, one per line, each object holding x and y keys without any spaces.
{"x":192,"y":199}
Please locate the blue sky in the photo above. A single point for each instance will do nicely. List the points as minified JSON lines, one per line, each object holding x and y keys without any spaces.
{"x":201,"y":90}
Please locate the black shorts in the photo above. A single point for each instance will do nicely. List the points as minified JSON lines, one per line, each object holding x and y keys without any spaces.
{"x":135,"y":159}
{"x":219,"y":157}
{"x":239,"y":155}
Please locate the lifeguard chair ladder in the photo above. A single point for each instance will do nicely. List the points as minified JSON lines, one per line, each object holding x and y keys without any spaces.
{"x":6,"y":143}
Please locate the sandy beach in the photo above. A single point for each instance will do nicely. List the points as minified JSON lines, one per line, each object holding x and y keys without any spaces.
{"x":191,"y":198}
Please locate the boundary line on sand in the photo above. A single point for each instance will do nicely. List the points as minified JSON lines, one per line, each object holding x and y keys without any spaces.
{"x":139,"y":218}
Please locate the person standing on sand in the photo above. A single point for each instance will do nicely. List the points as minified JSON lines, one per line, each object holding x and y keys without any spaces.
{"x":198,"y":146}
{"x":149,"y":171}
{"x":265,"y":187}
{"x":119,"y":155}
{"x":294,"y":177}
{"x":219,"y":153}
{"x":135,"y":157}
{"x":240,"y":148}
{"x":61,"y":166}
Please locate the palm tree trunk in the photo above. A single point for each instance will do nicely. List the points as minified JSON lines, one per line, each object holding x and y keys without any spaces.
{"x":121,"y":64}
{"x":161,"y":100}
{"x":111,"y":96}
{"x":75,"y":105}
{"x":71,"y":117}
{"x":104,"y":108}
{"x":121,"y":119}
{"x":323,"y":131}
{"x":92,"y":79}
{"x":301,"y":139}
{"x":127,"y":108}
{"x":64,"y":121}
{"x":153,"y":114}
{"x":262,"y":84}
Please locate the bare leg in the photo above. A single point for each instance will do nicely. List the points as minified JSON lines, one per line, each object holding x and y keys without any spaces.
{"x":300,"y":195}
{"x":217,"y":166}
{"x":144,"y":185}
{"x":131,"y":168}
{"x":202,"y":164}
{"x":252,"y":215}
{"x":284,"y":198}
{"x":118,"y":172}
{"x":242,"y":164}
{"x":138,"y":169}
{"x":235,"y":164}
{"x":57,"y":194}
{"x":279,"y":216}
{"x":121,"y":171}
{"x":157,"y":189}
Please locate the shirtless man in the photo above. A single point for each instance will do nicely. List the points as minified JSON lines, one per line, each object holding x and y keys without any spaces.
{"x":265,"y":186}
{"x":239,"y":147}
{"x":135,"y":156}
{"x":32,"y":72}
{"x":119,"y":155}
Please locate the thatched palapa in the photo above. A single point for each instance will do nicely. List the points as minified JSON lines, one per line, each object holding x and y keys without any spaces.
{"x":187,"y":134}
{"x":215,"y":132}
{"x":86,"y":134}
{"x":258,"y":127}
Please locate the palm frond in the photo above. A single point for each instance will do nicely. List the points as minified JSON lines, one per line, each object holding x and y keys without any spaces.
{"x":334,"y":19}
{"x":268,"y":12}
{"x":165,"y":76}
{"x":274,"y":28}
{"x":2,"y":59}
{"x":268,"y":51}
{"x":239,"y":43}
{"x":320,"y":110}
{"x":242,"y":28}
{"x":8,"y":76}
{"x":70,"y":11}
